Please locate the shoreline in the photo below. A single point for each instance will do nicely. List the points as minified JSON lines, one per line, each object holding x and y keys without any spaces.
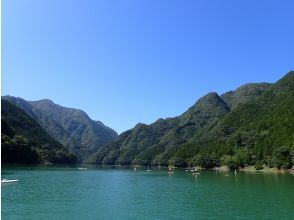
{"x":251,"y":169}
{"x":247,"y":169}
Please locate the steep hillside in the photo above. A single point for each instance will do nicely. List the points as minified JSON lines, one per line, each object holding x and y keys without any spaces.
{"x":253,"y":124}
{"x":259,"y":131}
{"x":245,"y":93}
{"x":153,"y":143}
{"x":25,"y":141}
{"x":71,"y":127}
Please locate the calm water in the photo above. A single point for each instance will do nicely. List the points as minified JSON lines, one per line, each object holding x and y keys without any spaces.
{"x":122,"y":193}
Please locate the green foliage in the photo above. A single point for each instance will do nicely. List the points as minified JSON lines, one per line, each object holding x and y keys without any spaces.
{"x":17,"y":150}
{"x":205,"y":160}
{"x":283,"y":157}
{"x":158,"y":143}
{"x":269,"y":161}
{"x":242,"y":157}
{"x":230,"y":162}
{"x":248,"y":126}
{"x":71,"y":127}
{"x":258,"y":165}
{"x":25,"y":141}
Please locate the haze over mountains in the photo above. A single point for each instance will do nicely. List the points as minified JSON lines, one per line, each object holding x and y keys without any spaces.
{"x":252,"y":125}
{"x":71,"y":127}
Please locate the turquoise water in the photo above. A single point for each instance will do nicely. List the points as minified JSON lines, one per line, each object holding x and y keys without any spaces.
{"x":122,"y":193}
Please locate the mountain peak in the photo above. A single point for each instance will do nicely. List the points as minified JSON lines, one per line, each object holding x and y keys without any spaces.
{"x":210,"y":100}
{"x":71,"y":127}
{"x":210,"y":96}
{"x":244,"y":93}
{"x":287,"y":80}
{"x":49,"y":101}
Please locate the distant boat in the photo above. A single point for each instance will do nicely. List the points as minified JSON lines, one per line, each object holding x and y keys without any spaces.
{"x":170,"y":171}
{"x":195,"y":171}
{"x":148,"y":170}
{"x":82,"y":167}
{"x":8,"y":181}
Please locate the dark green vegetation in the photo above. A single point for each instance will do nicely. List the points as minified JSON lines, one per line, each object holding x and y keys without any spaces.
{"x":253,"y":125}
{"x":71,"y":127}
{"x":25,"y":141}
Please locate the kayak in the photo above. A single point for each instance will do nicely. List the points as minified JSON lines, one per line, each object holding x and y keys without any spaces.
{"x":8,"y":181}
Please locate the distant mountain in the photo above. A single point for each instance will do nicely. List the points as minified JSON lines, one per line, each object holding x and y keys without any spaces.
{"x":23,"y":140}
{"x":248,"y":126}
{"x":71,"y":127}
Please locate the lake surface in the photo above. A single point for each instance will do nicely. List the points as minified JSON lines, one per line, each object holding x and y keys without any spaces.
{"x":122,"y":193}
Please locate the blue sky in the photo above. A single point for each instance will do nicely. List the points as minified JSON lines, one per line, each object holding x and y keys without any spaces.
{"x":125,"y":62}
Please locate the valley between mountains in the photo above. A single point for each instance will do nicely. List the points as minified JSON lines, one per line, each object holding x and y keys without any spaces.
{"x":250,"y":126}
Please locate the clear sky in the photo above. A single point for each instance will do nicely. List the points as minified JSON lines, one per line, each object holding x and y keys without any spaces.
{"x":125,"y":62}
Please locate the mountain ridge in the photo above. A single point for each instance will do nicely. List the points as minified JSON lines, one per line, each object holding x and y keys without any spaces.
{"x":183,"y":140}
{"x":71,"y":127}
{"x":25,"y":141}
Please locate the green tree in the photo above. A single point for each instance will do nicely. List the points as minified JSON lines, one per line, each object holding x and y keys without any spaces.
{"x":230,"y":162}
{"x":283,"y":157}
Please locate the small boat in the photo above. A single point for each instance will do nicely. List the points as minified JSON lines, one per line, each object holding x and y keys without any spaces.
{"x":194,"y":169}
{"x":148,"y":170}
{"x":170,"y":171}
{"x":8,"y":181}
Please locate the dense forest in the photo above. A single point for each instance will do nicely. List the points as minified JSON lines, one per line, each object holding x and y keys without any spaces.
{"x":253,"y":125}
{"x":73,"y":128}
{"x":23,"y":140}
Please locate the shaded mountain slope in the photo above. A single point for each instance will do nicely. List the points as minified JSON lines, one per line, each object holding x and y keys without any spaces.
{"x":255,"y":120}
{"x":71,"y":127}
{"x":145,"y":143}
{"x":256,"y":130}
{"x":245,"y":93}
{"x":25,"y":141}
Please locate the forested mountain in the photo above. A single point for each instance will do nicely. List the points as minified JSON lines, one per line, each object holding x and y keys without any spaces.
{"x":244,"y":93}
{"x":71,"y":127}
{"x":252,"y":125}
{"x":25,"y":141}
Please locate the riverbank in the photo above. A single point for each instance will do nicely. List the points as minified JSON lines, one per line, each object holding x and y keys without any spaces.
{"x":247,"y":169}
{"x":251,"y":169}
